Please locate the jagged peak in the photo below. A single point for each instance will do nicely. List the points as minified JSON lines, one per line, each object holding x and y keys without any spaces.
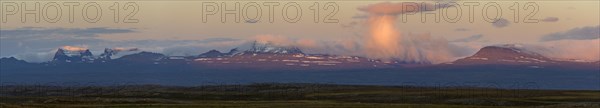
{"x":73,"y":54}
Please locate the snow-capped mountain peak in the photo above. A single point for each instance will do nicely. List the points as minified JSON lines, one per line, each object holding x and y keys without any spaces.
{"x":68,"y":54}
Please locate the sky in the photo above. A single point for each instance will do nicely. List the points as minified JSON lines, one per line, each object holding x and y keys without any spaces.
{"x":375,"y":29}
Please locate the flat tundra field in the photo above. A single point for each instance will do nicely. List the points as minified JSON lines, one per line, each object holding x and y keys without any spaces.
{"x":291,"y":95}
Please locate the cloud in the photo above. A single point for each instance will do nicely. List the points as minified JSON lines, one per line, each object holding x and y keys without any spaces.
{"x":350,"y":24}
{"x":251,"y":21}
{"x":13,"y":47}
{"x":501,"y":23}
{"x":181,"y":48}
{"x":464,"y":49}
{"x":587,"y":50}
{"x":311,"y":46}
{"x":360,"y":16}
{"x":461,"y":29}
{"x":74,"y":48}
{"x":470,"y":38}
{"x":550,"y":19}
{"x":388,"y":8}
{"x":385,"y":42}
{"x":36,"y":57}
{"x":581,"y":33}
{"x":31,"y":40}
{"x":37,"y":32}
{"x":218,"y":40}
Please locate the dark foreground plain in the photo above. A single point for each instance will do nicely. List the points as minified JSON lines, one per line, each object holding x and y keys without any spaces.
{"x":291,"y":95}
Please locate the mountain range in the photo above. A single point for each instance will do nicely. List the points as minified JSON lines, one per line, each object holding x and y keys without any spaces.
{"x":502,"y":66}
{"x":273,"y":57}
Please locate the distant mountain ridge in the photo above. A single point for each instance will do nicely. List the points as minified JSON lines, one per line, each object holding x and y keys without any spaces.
{"x":272,"y":56}
{"x":515,"y":55}
{"x":11,"y":60}
{"x":503,"y":55}
{"x":494,"y":64}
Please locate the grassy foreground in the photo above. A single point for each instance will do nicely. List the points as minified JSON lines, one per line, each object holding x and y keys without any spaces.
{"x":290,"y":96}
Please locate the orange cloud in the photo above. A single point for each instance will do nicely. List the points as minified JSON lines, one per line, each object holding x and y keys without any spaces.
{"x":388,"y":8}
{"x":74,"y":48}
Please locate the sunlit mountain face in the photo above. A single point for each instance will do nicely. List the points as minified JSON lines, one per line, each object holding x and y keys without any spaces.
{"x":513,"y":55}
